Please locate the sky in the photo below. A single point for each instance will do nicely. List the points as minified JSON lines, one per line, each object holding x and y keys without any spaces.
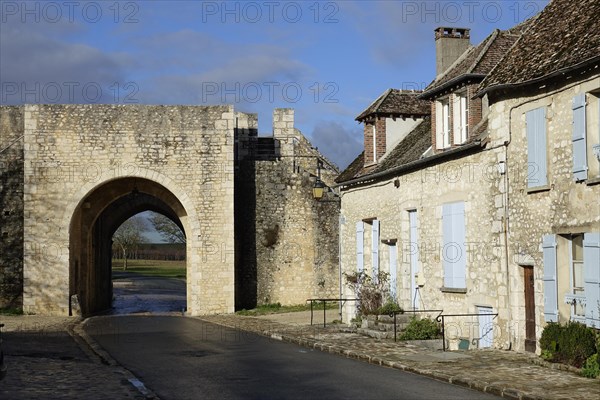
{"x":326,"y":59}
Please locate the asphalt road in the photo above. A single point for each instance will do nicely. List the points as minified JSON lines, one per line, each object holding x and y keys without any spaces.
{"x":185,"y":358}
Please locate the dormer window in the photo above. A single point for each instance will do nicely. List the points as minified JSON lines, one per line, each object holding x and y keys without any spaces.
{"x":461,"y":118}
{"x":442,"y":123}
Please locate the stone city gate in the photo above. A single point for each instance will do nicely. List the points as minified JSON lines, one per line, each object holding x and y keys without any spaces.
{"x":73,"y":173}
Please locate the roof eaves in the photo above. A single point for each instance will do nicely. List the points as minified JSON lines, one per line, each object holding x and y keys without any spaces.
{"x":473,"y":146}
{"x":375,"y":105}
{"x":562,"y":71}
{"x":432,"y":93}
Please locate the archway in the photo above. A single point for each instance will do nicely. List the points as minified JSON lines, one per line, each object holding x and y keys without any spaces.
{"x":95,"y":220}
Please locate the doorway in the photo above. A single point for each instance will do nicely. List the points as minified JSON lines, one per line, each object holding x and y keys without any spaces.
{"x":528,"y":283}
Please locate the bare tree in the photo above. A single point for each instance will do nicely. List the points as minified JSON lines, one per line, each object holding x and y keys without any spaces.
{"x":129,"y":236}
{"x":167,"y":229}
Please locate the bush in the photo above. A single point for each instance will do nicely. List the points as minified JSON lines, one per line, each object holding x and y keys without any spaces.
{"x":591,"y":367}
{"x":571,"y":344}
{"x":370,"y":293}
{"x":390,"y":307}
{"x":549,"y":340}
{"x":576,"y":343}
{"x":421,"y":329}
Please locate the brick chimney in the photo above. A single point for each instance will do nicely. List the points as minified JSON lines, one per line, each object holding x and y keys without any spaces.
{"x":450,"y":44}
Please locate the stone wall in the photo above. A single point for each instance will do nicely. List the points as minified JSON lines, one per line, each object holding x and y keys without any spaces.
{"x":289,"y":241}
{"x":11,"y":207}
{"x":75,"y":159}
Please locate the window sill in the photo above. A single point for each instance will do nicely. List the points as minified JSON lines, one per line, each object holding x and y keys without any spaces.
{"x":453,"y":290}
{"x":538,"y":189}
{"x":593,"y":181}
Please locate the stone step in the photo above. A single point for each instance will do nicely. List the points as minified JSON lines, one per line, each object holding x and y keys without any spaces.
{"x":375,"y":333}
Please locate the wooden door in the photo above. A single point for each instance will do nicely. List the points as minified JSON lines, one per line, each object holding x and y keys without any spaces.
{"x":529,"y":309}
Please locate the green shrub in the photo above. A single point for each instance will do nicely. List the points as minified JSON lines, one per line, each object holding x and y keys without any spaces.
{"x":576,"y":343}
{"x":549,"y":340}
{"x":370,"y":292}
{"x":571,"y":344}
{"x":421,"y":329}
{"x":390,"y":307}
{"x":591,"y":367}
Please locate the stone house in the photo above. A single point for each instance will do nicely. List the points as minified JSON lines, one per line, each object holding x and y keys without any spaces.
{"x":501,"y":214}
{"x":543,"y":107}
{"x":430,"y":210}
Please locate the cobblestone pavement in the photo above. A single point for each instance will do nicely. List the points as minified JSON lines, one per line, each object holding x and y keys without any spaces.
{"x":45,"y":362}
{"x":504,"y":373}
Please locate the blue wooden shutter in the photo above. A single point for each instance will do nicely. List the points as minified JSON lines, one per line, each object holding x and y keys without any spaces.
{"x":591,"y":278}
{"x":580,"y":166}
{"x":393,"y":271}
{"x":537,"y":174}
{"x":360,"y":237}
{"x":375,"y":250}
{"x":550,"y":289}
{"x":453,"y":252}
{"x":458,"y":228}
{"x":447,"y":241}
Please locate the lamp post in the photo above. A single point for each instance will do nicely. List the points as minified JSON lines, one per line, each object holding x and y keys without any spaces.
{"x":319,"y":187}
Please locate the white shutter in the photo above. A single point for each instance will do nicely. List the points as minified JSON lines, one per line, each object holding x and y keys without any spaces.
{"x":591,"y":278}
{"x":550,"y":289}
{"x":375,"y":250}
{"x":580,"y":167}
{"x":360,"y":237}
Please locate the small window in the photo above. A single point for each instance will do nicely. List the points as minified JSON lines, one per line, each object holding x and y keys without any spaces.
{"x":442,"y":123}
{"x":578,"y":285}
{"x":460,"y":118}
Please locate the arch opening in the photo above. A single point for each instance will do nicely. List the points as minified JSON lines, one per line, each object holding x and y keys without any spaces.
{"x":93,"y":224}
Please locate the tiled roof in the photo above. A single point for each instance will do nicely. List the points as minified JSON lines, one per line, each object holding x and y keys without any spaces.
{"x":564,"y":35}
{"x":476,"y":62}
{"x":410,"y":149}
{"x":397,"y":102}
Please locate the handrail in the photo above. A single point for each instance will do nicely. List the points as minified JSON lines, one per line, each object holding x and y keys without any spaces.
{"x":394,"y":313}
{"x":440,"y":318}
{"x":324,"y":307}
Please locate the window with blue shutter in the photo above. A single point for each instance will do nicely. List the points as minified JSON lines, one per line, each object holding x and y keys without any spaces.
{"x":375,"y":250}
{"x":360,"y":237}
{"x":550,"y":288}
{"x":393,"y":270}
{"x":537,"y":171}
{"x":454,"y":250}
{"x":591,"y":278}
{"x":580,"y":167}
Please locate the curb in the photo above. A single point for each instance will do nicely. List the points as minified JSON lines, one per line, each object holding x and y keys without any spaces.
{"x":91,"y":347}
{"x":473,"y":384}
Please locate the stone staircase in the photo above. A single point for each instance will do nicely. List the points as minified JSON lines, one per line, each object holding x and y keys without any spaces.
{"x":382,"y":326}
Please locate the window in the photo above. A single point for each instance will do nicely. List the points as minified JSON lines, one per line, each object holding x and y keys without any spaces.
{"x":460,"y":118}
{"x":454,"y":252}
{"x":442,"y":123}
{"x":592,"y":118}
{"x":577,"y":283}
{"x":537,"y":174}
{"x":572,"y":278}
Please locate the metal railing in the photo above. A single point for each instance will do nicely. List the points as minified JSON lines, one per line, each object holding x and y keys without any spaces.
{"x":324,"y":301}
{"x":441,"y":318}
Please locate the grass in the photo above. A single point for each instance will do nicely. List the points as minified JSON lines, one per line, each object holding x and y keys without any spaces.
{"x":167,"y":269}
{"x":11,"y":311}
{"x":277,"y":308}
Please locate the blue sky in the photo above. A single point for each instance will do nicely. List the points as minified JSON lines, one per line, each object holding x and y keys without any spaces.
{"x":326,"y":59}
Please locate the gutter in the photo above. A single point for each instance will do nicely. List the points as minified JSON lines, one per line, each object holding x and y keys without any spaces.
{"x":414,"y":164}
{"x":562,"y":71}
